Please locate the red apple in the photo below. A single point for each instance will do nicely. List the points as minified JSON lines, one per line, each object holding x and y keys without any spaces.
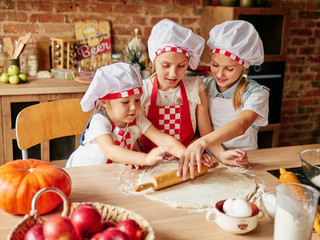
{"x":35,"y":233}
{"x":111,"y":233}
{"x":87,"y":221}
{"x":108,"y":224}
{"x":58,"y":228}
{"x":131,"y":228}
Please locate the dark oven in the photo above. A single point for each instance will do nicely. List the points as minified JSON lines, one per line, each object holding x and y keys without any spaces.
{"x":271,"y":75}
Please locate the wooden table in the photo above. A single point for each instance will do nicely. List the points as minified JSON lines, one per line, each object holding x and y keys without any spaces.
{"x":15,"y":97}
{"x":101,"y":184}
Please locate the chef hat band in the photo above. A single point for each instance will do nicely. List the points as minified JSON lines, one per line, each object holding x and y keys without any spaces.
{"x":168,"y":36}
{"x":238,"y":40}
{"x":122,"y":94}
{"x":230,"y":55}
{"x":112,"y":81}
{"x":172,"y":49}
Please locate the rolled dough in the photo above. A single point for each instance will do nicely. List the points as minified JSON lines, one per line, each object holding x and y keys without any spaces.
{"x":205,"y":191}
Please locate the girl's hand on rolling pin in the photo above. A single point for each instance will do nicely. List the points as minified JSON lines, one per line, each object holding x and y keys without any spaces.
{"x":132,"y":166}
{"x":156,"y":154}
{"x":236,"y":157}
{"x":190,"y":157}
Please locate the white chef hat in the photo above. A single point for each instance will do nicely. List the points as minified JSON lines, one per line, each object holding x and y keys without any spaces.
{"x":113,"y":81}
{"x":238,"y":40}
{"x":168,"y":36}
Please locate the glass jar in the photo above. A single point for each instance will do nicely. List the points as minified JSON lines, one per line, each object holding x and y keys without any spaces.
{"x":32,"y":66}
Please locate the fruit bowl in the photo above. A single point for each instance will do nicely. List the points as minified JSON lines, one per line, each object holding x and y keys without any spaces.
{"x":310,"y":160}
{"x":108,"y":213}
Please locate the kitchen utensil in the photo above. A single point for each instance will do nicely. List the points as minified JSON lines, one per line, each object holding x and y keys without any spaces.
{"x":8,"y":46}
{"x":23,"y":41}
{"x":236,"y":225}
{"x":310,"y":160}
{"x":170,"y":178}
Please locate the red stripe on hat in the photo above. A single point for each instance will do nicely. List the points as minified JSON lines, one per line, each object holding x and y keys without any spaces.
{"x":121,"y":94}
{"x":228,"y":54}
{"x":172,"y":49}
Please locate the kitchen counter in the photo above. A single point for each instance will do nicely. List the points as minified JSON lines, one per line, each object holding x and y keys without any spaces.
{"x":101,"y":184}
{"x":42,"y":86}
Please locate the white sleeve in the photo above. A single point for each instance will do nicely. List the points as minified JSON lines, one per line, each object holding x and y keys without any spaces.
{"x":258,"y":102}
{"x":99,"y":125}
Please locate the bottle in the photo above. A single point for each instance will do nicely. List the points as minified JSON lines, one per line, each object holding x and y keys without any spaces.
{"x":32,"y":66}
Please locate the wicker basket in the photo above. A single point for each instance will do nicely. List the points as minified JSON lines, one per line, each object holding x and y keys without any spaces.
{"x":108,"y":213}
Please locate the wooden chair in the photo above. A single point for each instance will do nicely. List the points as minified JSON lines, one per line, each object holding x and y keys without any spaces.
{"x":275,"y":130}
{"x":45,"y":121}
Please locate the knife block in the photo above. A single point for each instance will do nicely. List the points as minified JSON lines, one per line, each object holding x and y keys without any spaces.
{"x":63,"y":53}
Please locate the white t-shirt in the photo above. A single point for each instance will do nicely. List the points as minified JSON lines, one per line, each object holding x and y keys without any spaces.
{"x":193,"y":85}
{"x":90,"y":153}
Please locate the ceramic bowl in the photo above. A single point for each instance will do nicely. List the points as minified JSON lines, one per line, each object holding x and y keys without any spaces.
{"x":310,"y":160}
{"x":236,"y":225}
{"x":269,"y":201}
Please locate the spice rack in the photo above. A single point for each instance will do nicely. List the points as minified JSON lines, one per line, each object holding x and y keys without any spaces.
{"x":63,"y":53}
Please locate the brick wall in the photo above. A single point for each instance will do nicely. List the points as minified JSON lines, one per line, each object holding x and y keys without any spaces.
{"x":301,"y":97}
{"x":300,"y":118}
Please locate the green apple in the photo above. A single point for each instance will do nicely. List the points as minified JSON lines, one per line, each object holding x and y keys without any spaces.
{"x":13,"y":70}
{"x":4,"y":77}
{"x":23,"y":77}
{"x":14,"y":79}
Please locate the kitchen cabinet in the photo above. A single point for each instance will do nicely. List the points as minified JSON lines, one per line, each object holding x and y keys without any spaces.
{"x":271,"y":24}
{"x":13,"y":98}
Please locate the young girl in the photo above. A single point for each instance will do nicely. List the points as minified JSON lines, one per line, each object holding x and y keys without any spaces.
{"x":174,"y":103}
{"x":116,"y":124}
{"x":237,"y":106}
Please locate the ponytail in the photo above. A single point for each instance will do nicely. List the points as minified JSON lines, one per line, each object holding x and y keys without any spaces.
{"x":236,"y":100}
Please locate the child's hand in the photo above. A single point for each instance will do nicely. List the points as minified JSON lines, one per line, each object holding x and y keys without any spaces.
{"x":131,"y":166}
{"x":191,"y":156}
{"x":156,"y":154}
{"x":236,"y":157}
{"x":207,"y":159}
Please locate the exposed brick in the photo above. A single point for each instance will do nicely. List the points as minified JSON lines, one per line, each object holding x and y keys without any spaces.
{"x":20,"y":28}
{"x":156,"y":20}
{"x":7,"y":4}
{"x":158,"y":2}
{"x":44,"y":18}
{"x":14,"y":16}
{"x":101,"y":8}
{"x":123,"y":9}
{"x":309,"y":15}
{"x":35,"y":6}
{"x":66,"y":7}
{"x":298,"y":41}
{"x":188,"y":3}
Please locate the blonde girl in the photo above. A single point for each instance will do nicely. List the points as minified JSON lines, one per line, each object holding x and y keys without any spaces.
{"x":237,"y":106}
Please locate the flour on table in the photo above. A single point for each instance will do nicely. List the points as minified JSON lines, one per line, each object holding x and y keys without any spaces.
{"x":205,"y":191}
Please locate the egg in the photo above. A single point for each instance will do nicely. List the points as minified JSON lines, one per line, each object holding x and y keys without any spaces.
{"x":227,"y":206}
{"x":241,"y":208}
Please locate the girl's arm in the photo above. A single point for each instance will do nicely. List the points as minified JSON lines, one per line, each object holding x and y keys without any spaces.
{"x":229,"y":131}
{"x":126,"y":156}
{"x":230,"y":157}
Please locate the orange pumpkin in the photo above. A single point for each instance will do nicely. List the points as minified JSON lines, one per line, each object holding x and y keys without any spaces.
{"x":21,"y":179}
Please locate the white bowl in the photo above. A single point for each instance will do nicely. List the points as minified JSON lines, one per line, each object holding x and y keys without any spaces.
{"x":269,"y":201}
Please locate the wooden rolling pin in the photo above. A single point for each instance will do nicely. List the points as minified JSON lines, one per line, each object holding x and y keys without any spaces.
{"x":170,"y":178}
